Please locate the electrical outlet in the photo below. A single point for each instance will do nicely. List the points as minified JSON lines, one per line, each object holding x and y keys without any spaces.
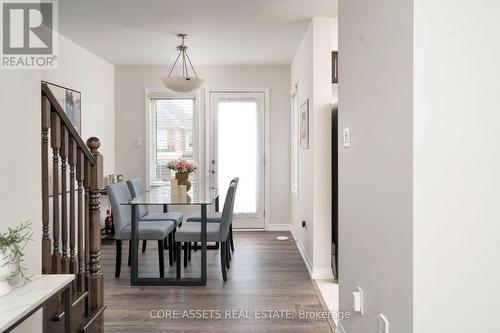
{"x":383,"y":324}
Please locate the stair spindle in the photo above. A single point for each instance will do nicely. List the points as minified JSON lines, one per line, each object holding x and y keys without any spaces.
{"x":64,"y":200}
{"x":72,"y":159}
{"x":79,"y":178}
{"x":46,"y":246}
{"x":55,"y":142}
{"x":86,"y":185}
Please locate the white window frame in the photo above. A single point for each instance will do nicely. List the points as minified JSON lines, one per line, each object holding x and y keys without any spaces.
{"x":197,"y":126}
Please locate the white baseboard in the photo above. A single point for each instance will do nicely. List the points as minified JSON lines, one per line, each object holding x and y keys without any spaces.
{"x":279,"y":227}
{"x":302,"y":251}
{"x":314,"y":273}
{"x":340,"y":328}
{"x":322,"y":274}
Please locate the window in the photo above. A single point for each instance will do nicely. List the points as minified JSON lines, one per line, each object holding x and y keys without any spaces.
{"x":171,"y":121}
{"x":295,"y":141}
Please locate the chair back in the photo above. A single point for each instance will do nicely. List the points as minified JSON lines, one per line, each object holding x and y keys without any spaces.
{"x":119,"y":193}
{"x":235,"y":180}
{"x":136,"y":188}
{"x":227,"y":211}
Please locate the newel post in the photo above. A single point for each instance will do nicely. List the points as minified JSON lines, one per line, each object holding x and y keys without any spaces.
{"x":96,"y":279}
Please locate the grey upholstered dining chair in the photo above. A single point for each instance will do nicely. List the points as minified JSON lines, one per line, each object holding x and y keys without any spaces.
{"x":215,"y":217}
{"x":136,"y":188}
{"x":122,"y":219}
{"x":216,"y":232}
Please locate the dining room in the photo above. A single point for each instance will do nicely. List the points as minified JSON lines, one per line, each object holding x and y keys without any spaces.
{"x":233,"y":133}
{"x":175,"y":143}
{"x":212,"y":161}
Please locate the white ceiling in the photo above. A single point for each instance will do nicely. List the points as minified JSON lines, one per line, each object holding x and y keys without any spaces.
{"x":222,"y":32}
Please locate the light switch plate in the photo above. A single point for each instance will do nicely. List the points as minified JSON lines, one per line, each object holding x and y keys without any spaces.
{"x":346,"y":135}
{"x":358,"y":301}
{"x":383,"y":324}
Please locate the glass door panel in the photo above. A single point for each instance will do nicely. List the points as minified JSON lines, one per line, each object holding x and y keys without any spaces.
{"x":238,"y":151}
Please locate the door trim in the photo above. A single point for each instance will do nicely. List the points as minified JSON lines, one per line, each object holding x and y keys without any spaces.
{"x":208,"y":147}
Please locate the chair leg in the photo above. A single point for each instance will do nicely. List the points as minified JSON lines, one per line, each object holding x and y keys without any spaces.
{"x":144,"y":243}
{"x":178,"y":259}
{"x":195,"y":246}
{"x":161,"y":258}
{"x":223,"y":260}
{"x":228,"y":255}
{"x":174,"y":245}
{"x":231,"y":236}
{"x":129,"y":253}
{"x":185,"y":254}
{"x":189,"y":251}
{"x":170,"y":249}
{"x":228,"y":242}
{"x":165,"y":243}
{"x":118,"y":258}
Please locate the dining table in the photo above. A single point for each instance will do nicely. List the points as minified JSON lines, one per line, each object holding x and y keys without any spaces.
{"x":167,"y":196}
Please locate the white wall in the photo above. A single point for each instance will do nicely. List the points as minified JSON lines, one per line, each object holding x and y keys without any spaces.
{"x":132,"y":81}
{"x":301,"y":205}
{"x":311,"y":70}
{"x":375,"y":173}
{"x":20,"y":162}
{"x":456,"y":229}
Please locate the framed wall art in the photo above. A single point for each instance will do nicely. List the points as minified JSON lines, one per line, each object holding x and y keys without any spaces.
{"x":304,"y":125}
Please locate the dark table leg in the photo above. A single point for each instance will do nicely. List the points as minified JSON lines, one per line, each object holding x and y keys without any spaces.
{"x":135,"y":243}
{"x":178,"y":281}
{"x":216,"y":204}
{"x":204,"y":244}
{"x":67,"y":309}
{"x":166,"y":243}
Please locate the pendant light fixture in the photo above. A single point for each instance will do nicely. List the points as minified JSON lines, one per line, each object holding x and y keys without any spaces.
{"x":184,"y":83}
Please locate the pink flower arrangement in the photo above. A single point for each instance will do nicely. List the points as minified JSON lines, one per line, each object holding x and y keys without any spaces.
{"x":182,"y":166}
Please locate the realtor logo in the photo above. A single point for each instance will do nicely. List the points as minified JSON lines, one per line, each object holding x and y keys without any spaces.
{"x":28,"y":34}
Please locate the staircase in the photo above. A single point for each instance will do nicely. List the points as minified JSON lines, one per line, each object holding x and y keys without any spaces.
{"x":71,"y":183}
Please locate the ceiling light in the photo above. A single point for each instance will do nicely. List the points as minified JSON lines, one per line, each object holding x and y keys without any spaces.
{"x":184,"y":83}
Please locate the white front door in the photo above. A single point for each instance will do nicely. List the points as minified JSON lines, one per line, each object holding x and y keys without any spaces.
{"x":237,"y":150}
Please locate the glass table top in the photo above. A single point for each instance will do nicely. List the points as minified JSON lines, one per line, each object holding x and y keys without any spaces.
{"x":163,"y":195}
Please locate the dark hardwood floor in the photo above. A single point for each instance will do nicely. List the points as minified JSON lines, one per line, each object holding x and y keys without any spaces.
{"x":266,"y":275}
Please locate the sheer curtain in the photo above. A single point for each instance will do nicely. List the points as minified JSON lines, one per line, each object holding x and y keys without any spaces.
{"x":239,"y":151}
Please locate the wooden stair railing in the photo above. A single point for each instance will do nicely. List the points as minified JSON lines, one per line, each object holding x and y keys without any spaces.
{"x":75,"y":247}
